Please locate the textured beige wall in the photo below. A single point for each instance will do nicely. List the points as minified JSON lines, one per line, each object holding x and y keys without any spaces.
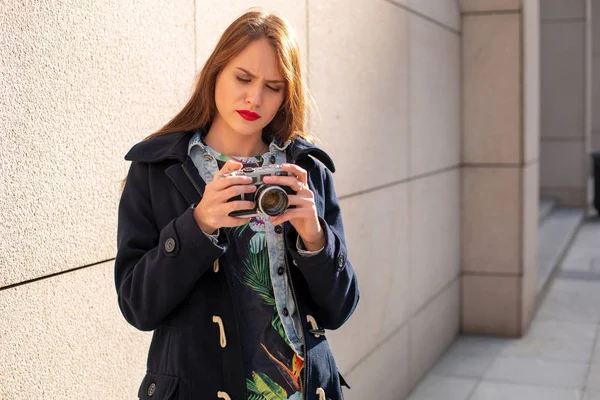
{"x":64,"y":338}
{"x":595,"y":75}
{"x":87,"y":82}
{"x":386,"y":78}
{"x":81,"y":82}
{"x":565,"y":102}
{"x":501,"y":112}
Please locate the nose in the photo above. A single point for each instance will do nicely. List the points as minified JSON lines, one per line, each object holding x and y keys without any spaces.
{"x":254,"y":96}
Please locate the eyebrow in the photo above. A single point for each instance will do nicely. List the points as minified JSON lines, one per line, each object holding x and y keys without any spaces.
{"x":254,"y":76}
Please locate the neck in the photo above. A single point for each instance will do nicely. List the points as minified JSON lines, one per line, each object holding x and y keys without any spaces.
{"x":224,"y":140}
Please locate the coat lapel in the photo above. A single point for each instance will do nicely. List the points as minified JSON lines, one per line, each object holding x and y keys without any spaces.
{"x":186,"y":179}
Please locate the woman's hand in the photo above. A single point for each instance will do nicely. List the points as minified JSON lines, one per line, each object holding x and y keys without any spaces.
{"x":213,"y":210}
{"x":304,"y":216}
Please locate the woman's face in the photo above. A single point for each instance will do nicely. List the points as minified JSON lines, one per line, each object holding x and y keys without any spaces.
{"x":250,"y":89}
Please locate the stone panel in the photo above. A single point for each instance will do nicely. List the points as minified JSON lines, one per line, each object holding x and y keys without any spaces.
{"x":359,"y":79}
{"x":596,"y":141}
{"x":434,"y":251}
{"x":446,"y":12}
{"x":566,"y":197}
{"x":376,"y":232}
{"x":82,"y":82}
{"x":432,"y":330}
{"x":561,"y":9}
{"x":64,"y":338}
{"x":562,"y":164}
{"x":489,"y":5}
{"x":384,"y":372}
{"x":434,"y":97}
{"x":595,"y":29}
{"x":562,"y":60}
{"x":531,"y":80}
{"x":491,"y":201}
{"x":490,"y":305}
{"x":492,"y":111}
{"x":596,"y":85}
{"x":530,"y":227}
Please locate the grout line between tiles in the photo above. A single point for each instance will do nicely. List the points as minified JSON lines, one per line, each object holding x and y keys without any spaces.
{"x":494,"y":12}
{"x":426,"y":17}
{"x":482,"y":377}
{"x":402,"y":326}
{"x":591,"y":360}
{"x":401,"y":181}
{"x":509,"y":382}
{"x":14,"y":285}
{"x":561,"y":20}
{"x":475,"y":387}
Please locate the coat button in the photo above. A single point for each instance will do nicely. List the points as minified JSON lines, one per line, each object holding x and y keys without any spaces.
{"x":340,"y":261}
{"x":280,"y":270}
{"x":278,"y":229}
{"x":285,"y":312}
{"x":151,"y":389}
{"x":170,"y":245}
{"x":272,"y":159}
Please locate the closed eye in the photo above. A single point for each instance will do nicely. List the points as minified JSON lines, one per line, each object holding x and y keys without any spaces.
{"x":276,"y":90}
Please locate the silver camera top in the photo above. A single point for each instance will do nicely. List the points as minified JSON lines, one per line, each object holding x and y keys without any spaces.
{"x":255,"y":172}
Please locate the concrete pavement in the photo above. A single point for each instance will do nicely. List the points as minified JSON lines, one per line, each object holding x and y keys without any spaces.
{"x":558,"y":359}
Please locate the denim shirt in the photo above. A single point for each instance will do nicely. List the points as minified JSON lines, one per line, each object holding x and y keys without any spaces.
{"x":206,"y":164}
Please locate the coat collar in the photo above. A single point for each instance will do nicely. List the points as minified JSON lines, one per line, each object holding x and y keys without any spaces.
{"x":174,"y":146}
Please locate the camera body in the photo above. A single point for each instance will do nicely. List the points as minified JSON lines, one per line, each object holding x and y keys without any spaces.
{"x":270,"y":200}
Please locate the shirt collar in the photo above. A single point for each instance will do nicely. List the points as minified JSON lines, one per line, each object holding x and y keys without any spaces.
{"x":274,"y":144}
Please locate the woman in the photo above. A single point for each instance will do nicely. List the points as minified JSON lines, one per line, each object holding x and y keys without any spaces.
{"x":238,"y":305}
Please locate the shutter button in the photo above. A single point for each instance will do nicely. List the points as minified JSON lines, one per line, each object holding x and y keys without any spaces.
{"x":151,"y":389}
{"x":170,"y":245}
{"x":278,"y":229}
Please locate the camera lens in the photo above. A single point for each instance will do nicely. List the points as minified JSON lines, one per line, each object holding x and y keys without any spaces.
{"x":271,"y":200}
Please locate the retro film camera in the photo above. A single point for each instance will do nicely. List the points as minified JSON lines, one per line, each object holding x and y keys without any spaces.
{"x":271,"y":200}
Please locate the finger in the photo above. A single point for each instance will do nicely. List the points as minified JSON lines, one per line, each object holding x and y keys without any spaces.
{"x":290,"y":181}
{"x":222,"y":183}
{"x":290,"y":214}
{"x":296,"y":170}
{"x":299,"y":201}
{"x":236,"y":190}
{"x":229,"y":166}
{"x":237,"y":205}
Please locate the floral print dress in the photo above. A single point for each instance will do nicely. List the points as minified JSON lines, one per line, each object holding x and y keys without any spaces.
{"x":272,"y":369}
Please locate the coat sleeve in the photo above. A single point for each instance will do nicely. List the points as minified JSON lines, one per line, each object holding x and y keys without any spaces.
{"x":156,"y":269}
{"x":331,"y":280}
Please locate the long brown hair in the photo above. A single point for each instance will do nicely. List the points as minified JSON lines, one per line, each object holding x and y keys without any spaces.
{"x":200,"y":109}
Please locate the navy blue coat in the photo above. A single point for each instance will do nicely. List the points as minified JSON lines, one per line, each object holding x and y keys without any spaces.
{"x":166,"y":282}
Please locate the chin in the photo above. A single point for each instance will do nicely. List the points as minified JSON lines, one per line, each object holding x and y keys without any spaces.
{"x":248,"y":131}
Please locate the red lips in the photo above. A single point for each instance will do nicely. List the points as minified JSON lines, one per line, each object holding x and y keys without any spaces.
{"x":248,"y":115}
